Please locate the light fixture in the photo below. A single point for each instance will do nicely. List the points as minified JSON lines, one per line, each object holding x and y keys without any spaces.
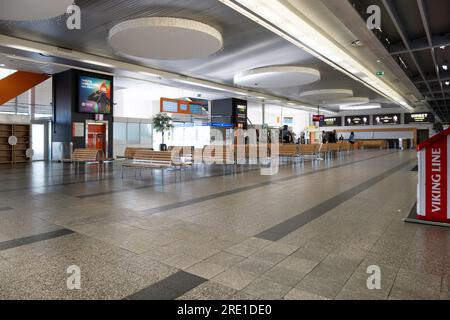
{"x":97,"y":63}
{"x":137,"y":38}
{"x":447,"y":83}
{"x":149,"y":74}
{"x":445,"y":67}
{"x":279,"y":17}
{"x":363,"y":107}
{"x":28,"y":49}
{"x":277,"y":77}
{"x":442,"y":47}
{"x":2,"y":65}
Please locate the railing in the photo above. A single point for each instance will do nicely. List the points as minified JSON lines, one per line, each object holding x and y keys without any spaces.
{"x":40,"y":111}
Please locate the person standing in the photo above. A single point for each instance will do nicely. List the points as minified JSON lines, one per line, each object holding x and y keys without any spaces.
{"x":351,"y":139}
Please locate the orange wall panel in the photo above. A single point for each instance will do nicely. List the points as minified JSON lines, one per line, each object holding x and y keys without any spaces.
{"x":18,"y":83}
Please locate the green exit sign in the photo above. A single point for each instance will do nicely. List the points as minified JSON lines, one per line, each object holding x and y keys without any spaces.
{"x":380,"y":74}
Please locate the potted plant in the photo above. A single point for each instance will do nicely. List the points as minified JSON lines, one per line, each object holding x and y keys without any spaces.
{"x":162,"y":122}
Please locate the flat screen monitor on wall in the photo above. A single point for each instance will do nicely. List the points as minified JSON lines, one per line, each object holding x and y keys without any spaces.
{"x":94,"y":95}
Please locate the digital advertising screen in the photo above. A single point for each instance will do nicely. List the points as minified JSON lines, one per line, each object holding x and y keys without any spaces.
{"x":94,"y":95}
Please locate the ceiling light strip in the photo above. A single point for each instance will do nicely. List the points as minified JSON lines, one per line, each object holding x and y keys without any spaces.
{"x":275,"y":16}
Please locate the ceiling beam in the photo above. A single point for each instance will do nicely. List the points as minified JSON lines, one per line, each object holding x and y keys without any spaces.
{"x":420,"y":45}
{"x":426,"y":24}
{"x":392,"y":11}
{"x":444,"y":77}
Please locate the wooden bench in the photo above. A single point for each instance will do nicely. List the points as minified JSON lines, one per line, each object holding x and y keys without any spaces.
{"x":218,"y":154}
{"x":375,"y":144}
{"x":131,"y":152}
{"x":86,"y":155}
{"x":333,"y":148}
{"x":147,"y":159}
{"x":309,"y":150}
{"x":289,"y":150}
{"x":345,"y":146}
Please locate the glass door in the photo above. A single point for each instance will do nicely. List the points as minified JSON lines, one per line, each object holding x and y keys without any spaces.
{"x":39,"y":141}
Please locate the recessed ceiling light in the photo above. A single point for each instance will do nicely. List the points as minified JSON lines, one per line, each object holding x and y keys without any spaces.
{"x":2,"y":65}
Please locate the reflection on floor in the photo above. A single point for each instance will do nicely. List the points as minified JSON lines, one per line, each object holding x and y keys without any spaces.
{"x":309,"y":232}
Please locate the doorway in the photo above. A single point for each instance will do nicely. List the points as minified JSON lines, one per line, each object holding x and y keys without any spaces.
{"x":422,"y":135}
{"x":97,"y":136}
{"x":40,"y":135}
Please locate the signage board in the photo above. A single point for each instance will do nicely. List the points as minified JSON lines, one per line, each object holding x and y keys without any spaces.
{"x":318,"y":118}
{"x":288,"y":121}
{"x":357,"y":120}
{"x":182,"y":106}
{"x":384,"y":119}
{"x":78,"y":129}
{"x":424,"y":117}
{"x":432,"y":194}
{"x":331,"y":122}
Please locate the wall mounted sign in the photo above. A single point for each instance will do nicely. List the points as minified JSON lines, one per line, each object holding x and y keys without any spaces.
{"x":181,"y":106}
{"x":288,"y":121}
{"x":357,"y":120}
{"x":383,"y":119}
{"x":331,"y":122}
{"x":424,"y":117}
{"x":380,"y":74}
{"x":78,"y":129}
{"x":318,"y":118}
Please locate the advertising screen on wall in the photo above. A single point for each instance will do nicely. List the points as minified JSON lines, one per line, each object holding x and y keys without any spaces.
{"x":425,"y":117}
{"x":318,"y":118}
{"x":94,"y":95}
{"x":196,"y":108}
{"x":169,"y":106}
{"x":357,"y":121}
{"x":384,"y":119}
{"x":331,"y":122}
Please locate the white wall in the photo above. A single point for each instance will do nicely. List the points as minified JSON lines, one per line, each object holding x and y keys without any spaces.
{"x":274,"y":116}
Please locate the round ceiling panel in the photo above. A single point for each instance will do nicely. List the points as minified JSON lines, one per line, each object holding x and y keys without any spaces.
{"x":23,"y":10}
{"x":327,"y":95}
{"x":277,"y":77}
{"x":354,"y":101}
{"x":165,"y":38}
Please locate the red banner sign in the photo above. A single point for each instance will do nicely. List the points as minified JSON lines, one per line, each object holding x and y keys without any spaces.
{"x":436,"y":181}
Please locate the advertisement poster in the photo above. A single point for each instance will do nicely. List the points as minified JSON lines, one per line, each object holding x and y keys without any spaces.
{"x":357,"y":121}
{"x":331,"y":122}
{"x":95,"y":95}
{"x":424,"y":117}
{"x":384,"y":119}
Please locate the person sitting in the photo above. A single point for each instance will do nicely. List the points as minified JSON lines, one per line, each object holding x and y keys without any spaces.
{"x":341,"y":138}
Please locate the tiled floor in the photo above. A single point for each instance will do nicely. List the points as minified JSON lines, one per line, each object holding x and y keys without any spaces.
{"x":309,"y":232}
